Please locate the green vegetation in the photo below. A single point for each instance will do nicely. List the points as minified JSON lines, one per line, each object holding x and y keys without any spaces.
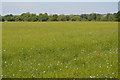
{"x":60,"y":50}
{"x":45,"y":17}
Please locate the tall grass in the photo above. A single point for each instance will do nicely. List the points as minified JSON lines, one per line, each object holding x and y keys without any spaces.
{"x":60,"y":50}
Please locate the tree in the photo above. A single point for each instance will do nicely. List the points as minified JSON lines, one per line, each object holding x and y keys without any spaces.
{"x":28,"y":17}
{"x":43,"y":17}
{"x":103,"y":18}
{"x":53,"y":17}
{"x":84,"y":17}
{"x":92,"y":17}
{"x":62,"y":18}
{"x":110,"y":17}
{"x":1,"y":18}
{"x":67,"y":17}
{"x":25,"y":16}
{"x":98,"y":16}
{"x":33,"y":17}
{"x":17,"y":18}
{"x":9,"y":17}
{"x":117,"y":16}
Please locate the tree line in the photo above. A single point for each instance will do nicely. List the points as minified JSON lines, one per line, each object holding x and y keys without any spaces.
{"x":45,"y":17}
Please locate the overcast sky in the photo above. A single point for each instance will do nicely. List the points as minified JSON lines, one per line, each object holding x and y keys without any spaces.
{"x":59,"y":7}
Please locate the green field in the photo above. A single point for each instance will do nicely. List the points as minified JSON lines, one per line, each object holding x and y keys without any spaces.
{"x":60,"y":49}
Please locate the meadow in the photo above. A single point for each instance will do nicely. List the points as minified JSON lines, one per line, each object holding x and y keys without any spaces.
{"x":60,"y":49}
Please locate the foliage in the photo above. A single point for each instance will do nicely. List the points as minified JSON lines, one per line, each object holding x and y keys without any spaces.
{"x":45,"y":17}
{"x":117,"y":16}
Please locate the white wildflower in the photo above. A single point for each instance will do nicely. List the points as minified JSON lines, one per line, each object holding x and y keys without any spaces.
{"x":110,"y":65}
{"x":5,"y":62}
{"x":20,"y":70}
{"x":90,"y":76}
{"x":113,"y":73}
{"x":48,"y":66}
{"x":100,"y":66}
{"x":107,"y":66}
{"x":75,"y":59}
{"x":43,"y":71}
{"x":66,"y":66}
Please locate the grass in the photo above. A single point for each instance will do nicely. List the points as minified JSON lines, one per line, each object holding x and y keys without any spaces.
{"x":60,"y":50}
{"x":0,"y":50}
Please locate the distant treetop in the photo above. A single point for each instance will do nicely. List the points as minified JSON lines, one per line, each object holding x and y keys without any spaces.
{"x":55,"y":17}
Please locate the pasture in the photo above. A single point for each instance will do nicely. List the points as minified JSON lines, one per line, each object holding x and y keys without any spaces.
{"x":60,"y":49}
